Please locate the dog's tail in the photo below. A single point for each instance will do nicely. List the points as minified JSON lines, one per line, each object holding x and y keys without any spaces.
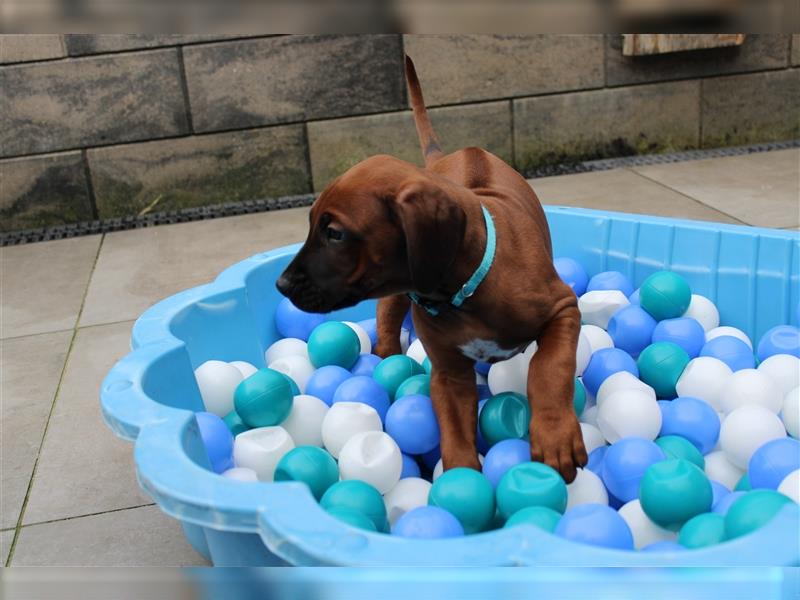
{"x":431,"y":150}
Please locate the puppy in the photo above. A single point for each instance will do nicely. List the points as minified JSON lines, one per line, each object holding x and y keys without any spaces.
{"x":463,"y":242}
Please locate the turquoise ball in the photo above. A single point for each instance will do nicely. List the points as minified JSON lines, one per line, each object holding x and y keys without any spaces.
{"x":426,"y":365}
{"x":579,"y":397}
{"x":539,"y":516}
{"x":675,"y":446}
{"x":703,"y":530}
{"x":661,"y":365}
{"x":673,"y":491}
{"x":753,"y":510}
{"x":358,"y":496}
{"x":416,"y":384}
{"x":467,"y":495}
{"x":665,"y":295}
{"x":352,"y":517}
{"x":333,"y":343}
{"x":505,"y":416}
{"x":743,"y":485}
{"x":311,"y":465}
{"x":531,"y":484}
{"x":235,"y":423}
{"x":263,"y":399}
{"x":393,"y":370}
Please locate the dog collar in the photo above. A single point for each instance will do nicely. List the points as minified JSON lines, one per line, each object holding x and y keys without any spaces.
{"x":468,"y":289}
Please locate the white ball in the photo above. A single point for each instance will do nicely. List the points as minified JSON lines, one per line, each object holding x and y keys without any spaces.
{"x":704,"y":377}
{"x":597,"y":306}
{"x":344,"y":420}
{"x":509,"y":376}
{"x":261,"y":449}
{"x":582,"y":354}
{"x":374,"y":457}
{"x":592,"y":437}
{"x":732,"y":331}
{"x":790,"y":486}
{"x":784,"y":370}
{"x":217,"y":381}
{"x":644,"y":530}
{"x":241,"y":474}
{"x":751,"y":387}
{"x":304,"y":422}
{"x":587,"y":488}
{"x":363,"y":336}
{"x":299,"y":368}
{"x":629,"y":413}
{"x":405,"y":340}
{"x":417,"y":351}
{"x":589,"y":416}
{"x":597,"y":336}
{"x":407,"y":494}
{"x":285,"y":347}
{"x":745,"y":430}
{"x":481,"y":379}
{"x":245,"y":368}
{"x":438,"y":469}
{"x":622,"y":380}
{"x":529,"y":351}
{"x":703,"y":311}
{"x":719,"y":468}
{"x":790,"y":413}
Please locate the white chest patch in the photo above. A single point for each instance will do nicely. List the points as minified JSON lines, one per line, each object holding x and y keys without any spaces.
{"x":486,"y":349}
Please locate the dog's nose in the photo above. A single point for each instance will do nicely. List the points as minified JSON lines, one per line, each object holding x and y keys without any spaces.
{"x":284,"y":284}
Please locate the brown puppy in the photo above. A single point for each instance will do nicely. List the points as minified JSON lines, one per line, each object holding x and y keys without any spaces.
{"x":387,"y":228}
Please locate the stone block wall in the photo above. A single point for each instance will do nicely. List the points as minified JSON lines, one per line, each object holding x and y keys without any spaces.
{"x":102,"y":126}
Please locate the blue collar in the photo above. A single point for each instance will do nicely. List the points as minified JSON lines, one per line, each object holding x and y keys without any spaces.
{"x":468,"y":289}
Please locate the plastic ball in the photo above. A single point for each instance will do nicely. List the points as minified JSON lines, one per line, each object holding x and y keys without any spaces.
{"x":263,"y":399}
{"x":587,"y":488}
{"x":634,"y":297}
{"x":333,"y":343}
{"x":292,"y":384}
{"x":661,"y":365}
{"x":693,"y":420}
{"x":790,"y":413}
{"x":597,"y":307}
{"x":744,"y":484}
{"x":427,"y":367}
{"x":705,"y":378}
{"x":217,"y":440}
{"x":285,"y":347}
{"x":292,"y":322}
{"x":325,"y":381}
{"x":750,"y":387}
{"x":344,"y":420}
{"x":745,"y":430}
{"x":371,"y":327}
{"x":217,"y":382}
{"x":578,"y":397}
{"x":597,"y":336}
{"x":416,"y":351}
{"x":665,"y":546}
{"x":626,"y":462}
{"x":538,"y":516}
{"x":428,"y":522}
{"x":730,"y":350}
{"x":310,"y":465}
{"x":371,"y":456}
{"x":572,"y":273}
{"x":605,"y":363}
{"x":665,"y":295}
{"x":675,"y":446}
{"x":509,"y":376}
{"x":406,"y":495}
{"x":727,"y":331}
{"x":502,"y":456}
{"x":394,"y":370}
{"x":410,"y":467}
{"x":245,"y":368}
{"x":783,"y":339}
{"x":622,"y":381}
{"x":467,"y":495}
{"x":505,"y":416}
{"x":719,"y":492}
{"x":261,"y":449}
{"x":703,"y":530}
{"x":721,"y":507}
{"x":530,"y":484}
{"x":683,"y":331}
{"x":629,"y":413}
{"x":352,"y":518}
{"x":363,"y":337}
{"x":752,"y":511}
{"x":610,"y":280}
{"x":592,"y":437}
{"x":673,"y":491}
{"x":304,"y":422}
{"x":241,"y":474}
{"x":645,"y":532}
{"x":438,"y":470}
{"x":719,"y":468}
{"x":365,"y":365}
{"x":790,"y":486}
{"x":703,"y":311}
{"x":416,"y":384}
{"x":772,"y":462}
{"x":596,"y":458}
{"x":583,"y":353}
{"x":412,"y":424}
{"x":784,"y":370}
{"x":357,"y":496}
{"x":298,"y":368}
{"x":589,"y":416}
{"x":365,"y":390}
{"x":597,"y":525}
{"x":631,"y":328}
{"x":234,"y":423}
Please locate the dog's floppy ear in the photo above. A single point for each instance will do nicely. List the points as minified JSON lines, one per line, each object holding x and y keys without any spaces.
{"x":434,"y":227}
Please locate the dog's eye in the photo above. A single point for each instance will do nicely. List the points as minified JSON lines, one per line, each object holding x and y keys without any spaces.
{"x":335,"y":235}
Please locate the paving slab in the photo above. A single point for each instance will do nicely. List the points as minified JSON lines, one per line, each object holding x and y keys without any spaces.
{"x":6,"y":537}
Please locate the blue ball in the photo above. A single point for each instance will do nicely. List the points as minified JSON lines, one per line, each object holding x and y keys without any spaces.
{"x":730,"y":350}
{"x":427,"y":522}
{"x":604,"y":363}
{"x":725,"y":502}
{"x":625,"y":463}
{"x":295,"y":323}
{"x":595,"y":524}
{"x":366,"y":390}
{"x":217,"y":439}
{"x":631,"y":328}
{"x":783,"y":339}
{"x":634,"y":298}
{"x":772,"y":462}
{"x":365,"y":365}
{"x":411,"y":422}
{"x":371,"y":327}
{"x":692,"y":419}
{"x":484,"y":393}
{"x":572,"y":273}
{"x":683,"y":331}
{"x":430,"y":458}
{"x":410,"y":467}
{"x":719,"y":491}
{"x":324,"y":382}
{"x":664,"y":546}
{"x":408,"y":322}
{"x":596,"y":457}
{"x":504,"y":455}
{"x":482,"y":367}
{"x":610,"y":280}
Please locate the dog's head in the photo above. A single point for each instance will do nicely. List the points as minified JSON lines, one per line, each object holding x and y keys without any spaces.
{"x":384,"y":227}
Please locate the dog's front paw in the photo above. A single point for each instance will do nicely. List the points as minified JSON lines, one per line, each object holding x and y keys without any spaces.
{"x":557,"y":441}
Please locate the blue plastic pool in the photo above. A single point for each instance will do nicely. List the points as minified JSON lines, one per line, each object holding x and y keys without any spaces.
{"x":149,"y":397}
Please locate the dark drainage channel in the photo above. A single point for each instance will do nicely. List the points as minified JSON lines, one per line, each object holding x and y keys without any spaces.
{"x":229,"y":209}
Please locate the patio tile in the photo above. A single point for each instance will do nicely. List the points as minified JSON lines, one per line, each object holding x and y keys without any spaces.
{"x":43,"y":284}
{"x":761,"y":189}
{"x":140,"y":267}
{"x":6,"y":537}
{"x":28,"y":380}
{"x":137,"y":537}
{"x":83,"y":468}
{"x":622,"y":190}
